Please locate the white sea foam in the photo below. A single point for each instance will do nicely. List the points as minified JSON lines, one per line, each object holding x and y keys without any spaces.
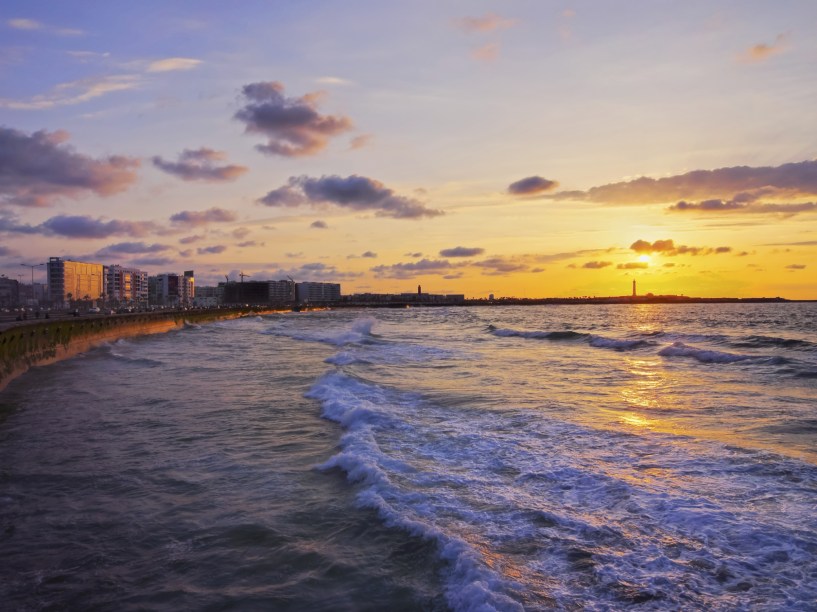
{"x":617,"y":344}
{"x":679,"y":349}
{"x":520,"y":504}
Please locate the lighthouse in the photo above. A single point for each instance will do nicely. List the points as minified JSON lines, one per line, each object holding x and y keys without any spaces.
{"x":633,"y":288}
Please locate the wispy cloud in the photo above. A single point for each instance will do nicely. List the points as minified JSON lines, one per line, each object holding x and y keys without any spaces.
{"x":32,"y":25}
{"x":487,"y":52}
{"x":763,"y":51}
{"x":486,"y":23}
{"x":173,"y":64}
{"x":75,"y":92}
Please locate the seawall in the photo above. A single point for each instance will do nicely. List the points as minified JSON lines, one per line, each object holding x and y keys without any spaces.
{"x":40,"y":343}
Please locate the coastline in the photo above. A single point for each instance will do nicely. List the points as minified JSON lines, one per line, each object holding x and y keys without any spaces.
{"x":29,"y":344}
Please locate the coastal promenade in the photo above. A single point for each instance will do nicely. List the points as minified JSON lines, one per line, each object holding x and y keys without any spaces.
{"x":33,"y":342}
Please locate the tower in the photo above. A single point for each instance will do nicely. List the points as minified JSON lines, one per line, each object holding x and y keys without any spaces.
{"x":633,"y":287}
{"x":419,"y":290}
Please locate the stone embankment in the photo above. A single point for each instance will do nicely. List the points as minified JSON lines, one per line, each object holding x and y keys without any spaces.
{"x":25,"y":345}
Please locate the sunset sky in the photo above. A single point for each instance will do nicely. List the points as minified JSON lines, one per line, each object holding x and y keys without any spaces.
{"x":520,"y":148}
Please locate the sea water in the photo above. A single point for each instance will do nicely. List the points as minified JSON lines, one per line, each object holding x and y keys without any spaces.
{"x":512,"y":458}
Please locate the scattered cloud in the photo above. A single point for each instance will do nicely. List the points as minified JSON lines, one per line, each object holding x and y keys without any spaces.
{"x":532,"y":185}
{"x":633,"y":265}
{"x":200,"y":165}
{"x":190,"y":239}
{"x":499,"y":266}
{"x":487,"y":23}
{"x":366,"y":255}
{"x":462,"y":252}
{"x":83,"y":226}
{"x":37,"y":169}
{"x":75,"y":92}
{"x":153,"y":261}
{"x":414,"y":255}
{"x":241,"y":232}
{"x":796,"y":179}
{"x":193,"y":218}
{"x":353,"y":192}
{"x":131,"y":248}
{"x":211,"y":250}
{"x":596,"y":265}
{"x":668,"y":247}
{"x":414,"y":269}
{"x":738,"y":206}
{"x":293,"y":126}
{"x":762,"y":51}
{"x":172,"y":64}
{"x":319,"y":224}
{"x":249,"y":243}
{"x":796,"y":267}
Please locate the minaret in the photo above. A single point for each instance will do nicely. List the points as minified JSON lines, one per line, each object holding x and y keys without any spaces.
{"x":633,"y":287}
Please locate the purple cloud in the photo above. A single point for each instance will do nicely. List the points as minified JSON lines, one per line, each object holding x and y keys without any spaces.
{"x":410,"y":270}
{"x":211,"y":250}
{"x":793,"y":179}
{"x":203,"y":217}
{"x":132,"y":248}
{"x":37,"y":169}
{"x":83,"y":226}
{"x":462,"y":252}
{"x":597,"y":265}
{"x":200,"y":165}
{"x":353,"y":192}
{"x":319,"y":224}
{"x":293,"y":126}
{"x":531,"y":186}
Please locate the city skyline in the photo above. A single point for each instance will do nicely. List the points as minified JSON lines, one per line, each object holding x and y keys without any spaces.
{"x":524,"y":149}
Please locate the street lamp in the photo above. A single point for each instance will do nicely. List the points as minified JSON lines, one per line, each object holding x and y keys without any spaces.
{"x":32,"y":266}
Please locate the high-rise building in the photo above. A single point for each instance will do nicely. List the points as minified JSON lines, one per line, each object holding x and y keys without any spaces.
{"x":74,"y":280}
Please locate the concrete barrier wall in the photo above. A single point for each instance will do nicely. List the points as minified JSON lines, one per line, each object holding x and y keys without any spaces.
{"x":43,"y":342}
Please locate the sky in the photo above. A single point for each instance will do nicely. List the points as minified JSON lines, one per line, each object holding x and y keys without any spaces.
{"x":527,"y":148}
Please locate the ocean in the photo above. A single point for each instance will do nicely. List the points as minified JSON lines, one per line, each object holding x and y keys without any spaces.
{"x":645,"y":457}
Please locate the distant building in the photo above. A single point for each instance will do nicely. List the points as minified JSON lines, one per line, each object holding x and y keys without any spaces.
{"x":172,"y":289}
{"x":9,"y":292}
{"x":207,"y":297}
{"x":316,"y":293}
{"x":74,"y":280}
{"x":280,"y":293}
{"x":126,"y":285}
